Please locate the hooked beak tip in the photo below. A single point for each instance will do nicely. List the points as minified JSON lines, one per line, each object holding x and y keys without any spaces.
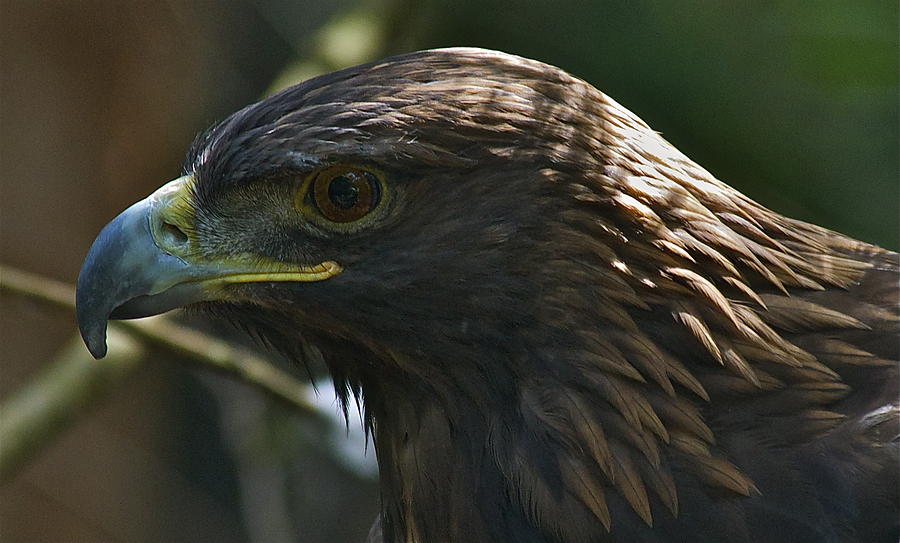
{"x":91,"y":322}
{"x":95,"y":340}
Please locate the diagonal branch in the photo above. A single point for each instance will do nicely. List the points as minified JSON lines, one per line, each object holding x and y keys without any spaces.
{"x":61,"y":391}
{"x":203,"y":349}
{"x":73,"y":380}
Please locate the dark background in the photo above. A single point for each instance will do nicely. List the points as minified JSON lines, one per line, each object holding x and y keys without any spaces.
{"x":794,"y":103}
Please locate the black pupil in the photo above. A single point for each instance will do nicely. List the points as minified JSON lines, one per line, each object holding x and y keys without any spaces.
{"x":343,"y":191}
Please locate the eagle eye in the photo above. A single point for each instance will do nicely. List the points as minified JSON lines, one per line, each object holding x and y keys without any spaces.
{"x":345,"y":194}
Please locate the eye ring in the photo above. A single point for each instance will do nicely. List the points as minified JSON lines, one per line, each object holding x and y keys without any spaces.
{"x":344,"y":194}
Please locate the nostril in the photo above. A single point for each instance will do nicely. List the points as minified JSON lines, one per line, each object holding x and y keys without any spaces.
{"x":172,"y":236}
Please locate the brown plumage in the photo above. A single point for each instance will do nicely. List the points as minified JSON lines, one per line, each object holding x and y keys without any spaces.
{"x":563,"y":329}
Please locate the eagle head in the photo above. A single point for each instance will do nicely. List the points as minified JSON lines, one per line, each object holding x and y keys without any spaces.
{"x":562,"y":328}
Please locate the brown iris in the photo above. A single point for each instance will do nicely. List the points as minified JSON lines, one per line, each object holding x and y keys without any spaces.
{"x":345,"y":194}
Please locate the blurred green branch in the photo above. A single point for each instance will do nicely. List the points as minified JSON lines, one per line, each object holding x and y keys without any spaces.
{"x":60,"y":392}
{"x":74,"y":381}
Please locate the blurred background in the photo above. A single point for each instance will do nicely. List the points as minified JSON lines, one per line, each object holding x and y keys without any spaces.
{"x":794,"y":103}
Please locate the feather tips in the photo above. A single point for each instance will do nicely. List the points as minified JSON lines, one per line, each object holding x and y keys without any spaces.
{"x":664,"y":236}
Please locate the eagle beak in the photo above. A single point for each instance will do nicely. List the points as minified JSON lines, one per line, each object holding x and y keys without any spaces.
{"x":144,"y":262}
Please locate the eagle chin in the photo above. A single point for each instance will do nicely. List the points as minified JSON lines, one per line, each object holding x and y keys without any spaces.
{"x":562,"y":328}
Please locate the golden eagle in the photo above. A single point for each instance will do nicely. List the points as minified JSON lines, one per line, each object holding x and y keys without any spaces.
{"x":562,"y":328}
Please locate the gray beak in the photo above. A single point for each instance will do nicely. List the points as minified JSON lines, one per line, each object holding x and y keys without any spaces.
{"x":146,"y":262}
{"x":129,"y":272}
